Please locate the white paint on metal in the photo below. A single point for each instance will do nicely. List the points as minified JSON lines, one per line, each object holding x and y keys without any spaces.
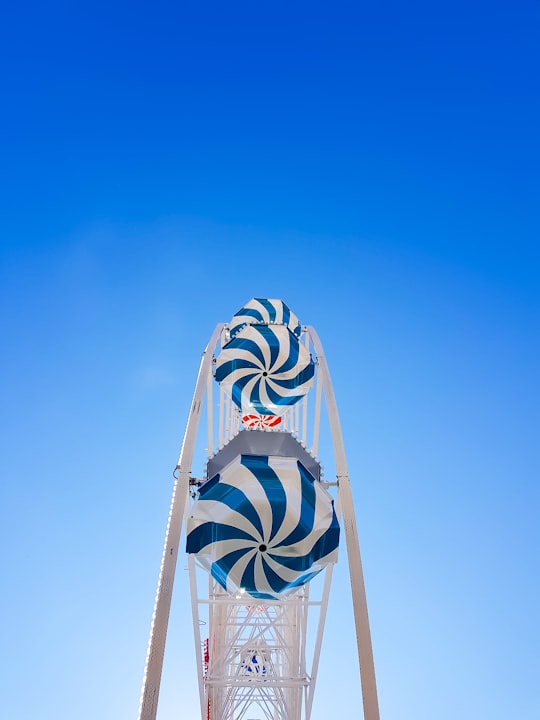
{"x":318,"y":641}
{"x":257,"y":649}
{"x":363,"y":634}
{"x":160,"y":619}
{"x":210,"y":413}
{"x":317,"y":418}
{"x":196,"y":631}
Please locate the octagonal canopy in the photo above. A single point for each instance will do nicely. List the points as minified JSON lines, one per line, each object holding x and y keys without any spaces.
{"x":265,"y":369}
{"x":262,"y":311}
{"x":263,"y":526}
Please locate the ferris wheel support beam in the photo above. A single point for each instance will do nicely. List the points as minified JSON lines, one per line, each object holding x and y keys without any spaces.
{"x":318,"y":641}
{"x":363,"y":635}
{"x":160,"y":620}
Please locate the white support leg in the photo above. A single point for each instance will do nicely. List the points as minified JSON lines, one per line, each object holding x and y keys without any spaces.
{"x":363,"y":635}
{"x":317,"y":419}
{"x":318,"y":641}
{"x":210,"y":413}
{"x":160,"y":620}
{"x":196,"y":631}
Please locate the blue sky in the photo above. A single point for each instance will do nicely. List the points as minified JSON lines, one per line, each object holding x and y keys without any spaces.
{"x":376,"y":166}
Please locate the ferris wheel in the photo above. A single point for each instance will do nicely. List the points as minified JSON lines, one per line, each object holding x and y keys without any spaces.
{"x":262,"y":525}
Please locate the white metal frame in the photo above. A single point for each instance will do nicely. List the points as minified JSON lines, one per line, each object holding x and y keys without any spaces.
{"x":256,"y":655}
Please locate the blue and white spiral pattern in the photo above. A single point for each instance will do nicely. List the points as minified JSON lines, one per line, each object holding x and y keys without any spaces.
{"x":265,"y":369}
{"x":264,"y":526}
{"x":262,"y":311}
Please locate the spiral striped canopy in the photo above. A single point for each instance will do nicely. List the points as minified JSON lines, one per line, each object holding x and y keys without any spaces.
{"x":261,"y":311}
{"x":265,"y":369}
{"x":263,"y":526}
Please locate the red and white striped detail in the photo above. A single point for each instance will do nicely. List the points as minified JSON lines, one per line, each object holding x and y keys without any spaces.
{"x":261,"y":422}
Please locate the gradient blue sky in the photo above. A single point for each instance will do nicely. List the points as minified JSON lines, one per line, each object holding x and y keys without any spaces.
{"x":377,"y":167}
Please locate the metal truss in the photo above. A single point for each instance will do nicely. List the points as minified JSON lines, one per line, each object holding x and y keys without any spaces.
{"x":255,"y":658}
{"x":255,"y":663}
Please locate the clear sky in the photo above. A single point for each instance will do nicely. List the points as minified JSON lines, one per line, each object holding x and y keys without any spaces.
{"x":377,"y":167}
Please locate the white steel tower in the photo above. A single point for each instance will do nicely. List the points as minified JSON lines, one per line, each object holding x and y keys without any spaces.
{"x":261,"y":525}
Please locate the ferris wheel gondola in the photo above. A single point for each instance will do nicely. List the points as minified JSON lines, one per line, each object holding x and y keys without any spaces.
{"x":262,"y":311}
{"x":265,"y":369}
{"x":263,"y":525}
